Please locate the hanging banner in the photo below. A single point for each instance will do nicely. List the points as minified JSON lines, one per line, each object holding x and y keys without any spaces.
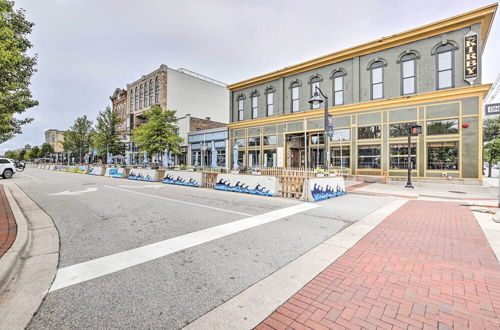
{"x":329,"y":127}
{"x":470,"y":57}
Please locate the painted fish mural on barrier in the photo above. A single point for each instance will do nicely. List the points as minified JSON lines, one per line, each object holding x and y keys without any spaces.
{"x":320,"y":193}
{"x":139,"y":176}
{"x":57,"y":167}
{"x":115,"y":173}
{"x":95,"y":171}
{"x":180,"y":181}
{"x":242,"y":188}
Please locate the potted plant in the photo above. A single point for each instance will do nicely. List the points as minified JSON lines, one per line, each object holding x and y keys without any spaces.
{"x":320,"y":173}
{"x":177,"y":168}
{"x":189,"y":168}
{"x":256,"y":171}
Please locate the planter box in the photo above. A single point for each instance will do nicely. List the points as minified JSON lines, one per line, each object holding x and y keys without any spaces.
{"x":324,"y":188}
{"x":96,"y":170}
{"x":143,"y":174}
{"x":183,"y":178}
{"x":248,"y":184}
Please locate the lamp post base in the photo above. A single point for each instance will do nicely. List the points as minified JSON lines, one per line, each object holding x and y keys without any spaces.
{"x":409,"y":185}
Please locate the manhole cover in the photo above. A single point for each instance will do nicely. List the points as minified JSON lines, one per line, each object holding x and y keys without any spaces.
{"x":457,"y":192}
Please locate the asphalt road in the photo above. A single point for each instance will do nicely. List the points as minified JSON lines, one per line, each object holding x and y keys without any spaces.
{"x":169,"y":292}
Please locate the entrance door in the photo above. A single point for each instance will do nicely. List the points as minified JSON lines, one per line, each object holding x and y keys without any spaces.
{"x":295,"y":157}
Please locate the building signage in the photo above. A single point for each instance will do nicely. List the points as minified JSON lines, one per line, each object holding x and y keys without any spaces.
{"x":416,"y":130}
{"x":492,"y":109}
{"x":470,"y":57}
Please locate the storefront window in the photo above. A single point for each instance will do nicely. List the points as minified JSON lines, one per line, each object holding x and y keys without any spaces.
{"x":369,"y":156}
{"x":240,"y":142}
{"x":221,"y":158}
{"x":270,"y":158}
{"x":195,"y":158}
{"x":438,"y":127}
{"x":335,"y":156}
{"x":269,"y":140}
{"x":253,"y":158}
{"x":399,"y":156}
{"x":400,"y":129}
{"x":317,"y":139}
{"x":442,"y":156}
{"x":253,"y":142}
{"x":369,"y":132}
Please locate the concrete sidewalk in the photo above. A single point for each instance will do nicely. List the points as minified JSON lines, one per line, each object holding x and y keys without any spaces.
{"x":428,"y":265}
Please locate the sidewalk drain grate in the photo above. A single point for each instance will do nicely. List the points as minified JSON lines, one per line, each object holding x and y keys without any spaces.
{"x":457,"y":192}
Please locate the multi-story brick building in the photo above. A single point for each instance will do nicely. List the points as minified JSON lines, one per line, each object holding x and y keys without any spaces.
{"x":430,"y":76}
{"x":184,"y":91}
{"x":119,"y":103}
{"x":55,"y":138}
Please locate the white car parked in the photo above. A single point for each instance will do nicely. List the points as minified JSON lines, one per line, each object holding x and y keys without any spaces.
{"x":7,"y":168}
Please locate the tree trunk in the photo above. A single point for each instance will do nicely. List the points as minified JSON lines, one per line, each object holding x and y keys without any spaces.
{"x":489,"y":168}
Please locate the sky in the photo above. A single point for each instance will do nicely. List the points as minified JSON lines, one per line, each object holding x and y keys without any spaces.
{"x":87,"y":48}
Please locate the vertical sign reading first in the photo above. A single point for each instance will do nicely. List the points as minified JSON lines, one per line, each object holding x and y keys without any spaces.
{"x":470,"y":57}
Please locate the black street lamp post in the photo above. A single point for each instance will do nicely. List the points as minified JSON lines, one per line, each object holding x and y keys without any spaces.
{"x":316,"y":99}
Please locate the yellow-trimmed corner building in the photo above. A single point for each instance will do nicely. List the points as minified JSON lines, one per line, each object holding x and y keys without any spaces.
{"x":428,"y":76}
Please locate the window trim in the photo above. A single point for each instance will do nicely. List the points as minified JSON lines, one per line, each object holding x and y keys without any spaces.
{"x":375,"y":65}
{"x":269,"y":91}
{"x":292,"y":86}
{"x":157,"y":90}
{"x":242,"y":109}
{"x":409,"y":57}
{"x":254,"y":96}
{"x":449,"y":48}
{"x":315,"y":79}
{"x":338,"y":74}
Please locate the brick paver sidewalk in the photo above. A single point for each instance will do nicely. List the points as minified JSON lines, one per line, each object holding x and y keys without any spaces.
{"x":428,"y":265}
{"x":8,"y":227}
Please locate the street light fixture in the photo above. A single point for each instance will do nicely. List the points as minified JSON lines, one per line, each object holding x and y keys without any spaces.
{"x":316,"y":99}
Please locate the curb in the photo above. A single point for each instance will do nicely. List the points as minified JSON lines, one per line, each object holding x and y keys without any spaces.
{"x":32,"y":263}
{"x":11,"y":260}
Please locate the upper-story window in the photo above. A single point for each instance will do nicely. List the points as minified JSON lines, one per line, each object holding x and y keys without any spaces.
{"x":157,"y":90}
{"x":338,"y":87}
{"x":314,"y":85}
{"x":131,"y":99}
{"x":240,"y":108}
{"x":377,"y":80}
{"x":146,"y":93}
{"x":270,"y":101}
{"x":151,"y":92}
{"x":408,"y":74}
{"x":295,"y":96}
{"x":444,"y":63}
{"x":255,"y":105}
{"x":141,"y":94}
{"x":136,"y":99}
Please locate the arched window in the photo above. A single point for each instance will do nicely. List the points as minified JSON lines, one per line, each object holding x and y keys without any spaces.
{"x":444,"y":65}
{"x":151,"y":92}
{"x":295,"y":96}
{"x":377,"y":80}
{"x":241,"y":99}
{"x":146,"y":93}
{"x":270,"y":101}
{"x":338,"y":87}
{"x":408,"y":74}
{"x":136,"y":99}
{"x":157,"y":90}
{"x":254,"y":98}
{"x":314,"y":82}
{"x":141,"y":94}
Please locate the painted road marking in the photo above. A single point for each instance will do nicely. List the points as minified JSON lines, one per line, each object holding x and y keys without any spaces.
{"x":141,"y":187}
{"x":72,"y":193}
{"x":179,"y":201}
{"x":89,"y":270}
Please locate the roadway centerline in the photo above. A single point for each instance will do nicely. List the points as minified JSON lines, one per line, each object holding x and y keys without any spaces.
{"x":89,"y":270}
{"x":179,"y":201}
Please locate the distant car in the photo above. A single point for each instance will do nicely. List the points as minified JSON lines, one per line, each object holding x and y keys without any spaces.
{"x":7,"y":168}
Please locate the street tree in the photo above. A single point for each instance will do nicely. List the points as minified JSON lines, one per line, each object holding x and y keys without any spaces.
{"x":21,"y":154}
{"x":16,"y":69}
{"x":492,"y":152}
{"x":11,"y":154}
{"x":45,"y":150}
{"x":158,"y":133}
{"x":32,"y":153}
{"x":491,"y":131}
{"x":78,"y":139}
{"x":106,"y":138}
